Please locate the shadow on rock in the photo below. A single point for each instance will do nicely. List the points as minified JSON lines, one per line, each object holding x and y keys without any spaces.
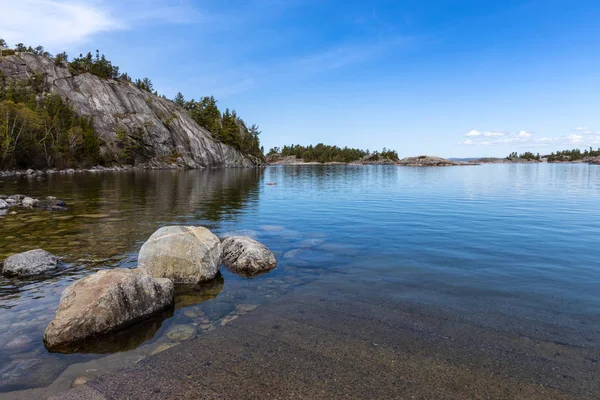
{"x":125,"y":339}
{"x":188,"y":295}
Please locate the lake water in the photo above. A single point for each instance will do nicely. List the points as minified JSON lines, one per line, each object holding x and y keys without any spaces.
{"x":492,"y":242}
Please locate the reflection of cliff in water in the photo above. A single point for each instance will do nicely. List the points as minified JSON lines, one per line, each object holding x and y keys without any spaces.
{"x":113,"y":213}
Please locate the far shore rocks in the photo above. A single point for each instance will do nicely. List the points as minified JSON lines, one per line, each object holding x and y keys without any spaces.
{"x":246,"y":256}
{"x":184,"y":254}
{"x":50,"y":203}
{"x":430,"y":161}
{"x":30,"y":263}
{"x":104,"y":302}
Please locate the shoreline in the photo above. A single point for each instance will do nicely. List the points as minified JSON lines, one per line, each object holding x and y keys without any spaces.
{"x":128,"y":168}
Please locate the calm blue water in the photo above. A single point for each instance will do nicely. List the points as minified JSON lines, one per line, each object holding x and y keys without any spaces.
{"x":489,"y":241}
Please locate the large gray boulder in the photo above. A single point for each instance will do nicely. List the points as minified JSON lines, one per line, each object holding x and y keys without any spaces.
{"x":30,"y":263}
{"x":184,"y":254}
{"x":105,"y":302}
{"x":3,"y":205}
{"x":246,"y":256}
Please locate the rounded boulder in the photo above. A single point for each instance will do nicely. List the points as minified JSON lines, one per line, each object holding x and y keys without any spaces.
{"x":29,"y":263}
{"x":183,"y":254}
{"x":246,"y":256}
{"x":104,"y":302}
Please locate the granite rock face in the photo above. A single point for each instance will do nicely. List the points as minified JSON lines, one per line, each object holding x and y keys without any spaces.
{"x":168,"y":133}
{"x":104,"y":302}
{"x":246,"y":256}
{"x":29,"y":263}
{"x":184,"y":254}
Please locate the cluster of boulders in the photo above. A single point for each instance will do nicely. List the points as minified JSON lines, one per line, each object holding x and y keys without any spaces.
{"x":50,"y":203}
{"x":113,"y":299}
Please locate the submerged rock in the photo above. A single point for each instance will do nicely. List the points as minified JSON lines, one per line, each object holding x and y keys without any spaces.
{"x":181,"y":333}
{"x":51,"y":204}
{"x":28,"y":202}
{"x":246,"y":256}
{"x":29,"y":263}
{"x":29,"y":373}
{"x":105,"y":302}
{"x":184,"y":254}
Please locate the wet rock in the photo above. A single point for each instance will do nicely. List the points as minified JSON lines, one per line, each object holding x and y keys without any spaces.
{"x":163,"y":347}
{"x":181,"y":333}
{"x":3,"y":204}
{"x":246,"y":256}
{"x":17,"y":197}
{"x":11,"y":202}
{"x":18,"y":343}
{"x":184,"y":254}
{"x":29,"y":263}
{"x":79,"y":381}
{"x":51,"y":205}
{"x":228,"y":319}
{"x":29,"y":373}
{"x":105,"y":302}
{"x":28,"y":202}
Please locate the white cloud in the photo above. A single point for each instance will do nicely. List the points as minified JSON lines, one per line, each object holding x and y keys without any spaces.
{"x":493,"y":134}
{"x":524,"y":134}
{"x":583,"y":129}
{"x":52,"y":22}
{"x":473,"y":133}
{"x":468,"y":142}
{"x":575,"y":140}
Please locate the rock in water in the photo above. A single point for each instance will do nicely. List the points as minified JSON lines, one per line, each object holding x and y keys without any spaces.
{"x":30,"y":263}
{"x":28,"y":202}
{"x":246,"y":256}
{"x":104,"y":302}
{"x":184,"y":254}
{"x":50,"y":204}
{"x":3,"y":205}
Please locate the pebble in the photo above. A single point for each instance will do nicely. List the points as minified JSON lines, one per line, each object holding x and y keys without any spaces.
{"x":181,"y":333}
{"x":79,"y":381}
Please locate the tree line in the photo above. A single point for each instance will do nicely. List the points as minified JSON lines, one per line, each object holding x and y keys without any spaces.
{"x":42,"y":131}
{"x":226,"y":126}
{"x":323,"y":153}
{"x":564,"y":155}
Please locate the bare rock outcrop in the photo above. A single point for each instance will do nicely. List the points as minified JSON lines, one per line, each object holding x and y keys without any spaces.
{"x":430,"y":161}
{"x":170,"y":136}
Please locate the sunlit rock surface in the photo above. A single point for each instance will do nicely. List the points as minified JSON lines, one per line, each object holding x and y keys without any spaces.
{"x":169,"y":134}
{"x":105,"y":302}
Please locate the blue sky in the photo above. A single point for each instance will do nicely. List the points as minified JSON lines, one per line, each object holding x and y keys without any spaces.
{"x":440,"y":77}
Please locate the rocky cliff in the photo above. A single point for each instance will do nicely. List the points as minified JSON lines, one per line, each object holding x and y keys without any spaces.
{"x":170,"y":136}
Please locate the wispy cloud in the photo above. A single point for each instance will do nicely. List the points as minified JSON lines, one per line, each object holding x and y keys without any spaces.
{"x":53,"y":23}
{"x":60,"y":23}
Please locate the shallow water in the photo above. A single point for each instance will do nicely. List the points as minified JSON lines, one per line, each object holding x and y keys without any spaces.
{"x":517,"y":240}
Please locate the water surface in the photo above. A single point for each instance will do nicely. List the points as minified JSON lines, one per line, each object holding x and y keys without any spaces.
{"x":509,"y":240}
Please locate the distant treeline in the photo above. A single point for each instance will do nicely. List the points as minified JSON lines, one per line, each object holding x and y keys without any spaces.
{"x":324,"y":153}
{"x":564,"y":155}
{"x":526,"y":156}
{"x":38,"y":130}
